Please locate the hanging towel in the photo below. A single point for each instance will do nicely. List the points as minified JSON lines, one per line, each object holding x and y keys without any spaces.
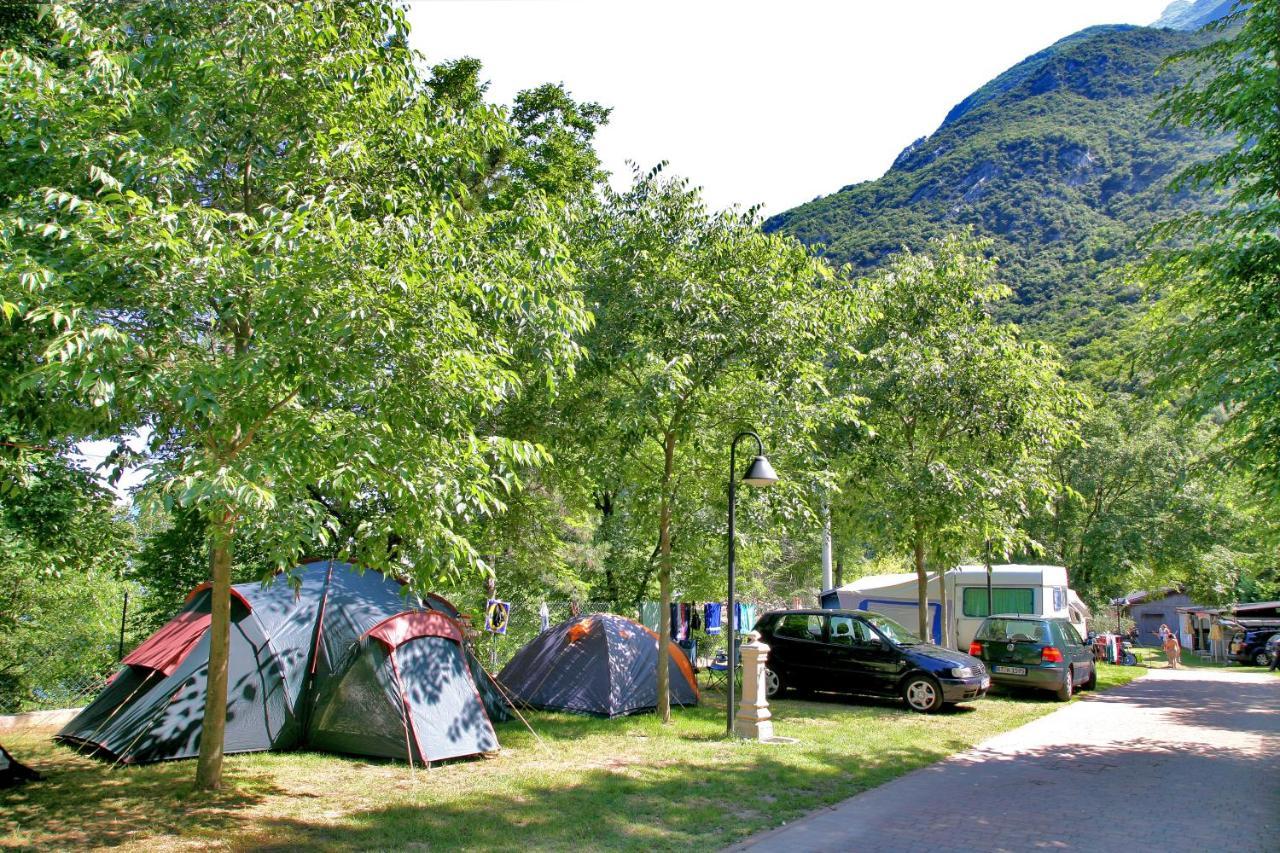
{"x":747,"y":621}
{"x":695,"y":619}
{"x":711,"y":613}
{"x":649,"y":615}
{"x":544,"y":617}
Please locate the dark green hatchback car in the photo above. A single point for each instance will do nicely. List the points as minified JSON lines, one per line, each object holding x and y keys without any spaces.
{"x":1033,"y":651}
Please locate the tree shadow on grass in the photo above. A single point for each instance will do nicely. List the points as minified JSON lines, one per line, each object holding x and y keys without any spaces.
{"x":712,"y":800}
{"x":87,"y":802}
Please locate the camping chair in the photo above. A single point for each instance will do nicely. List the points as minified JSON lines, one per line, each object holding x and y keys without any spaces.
{"x":718,"y":670}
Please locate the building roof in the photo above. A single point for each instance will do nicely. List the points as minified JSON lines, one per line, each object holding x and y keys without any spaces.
{"x":1142,"y":596}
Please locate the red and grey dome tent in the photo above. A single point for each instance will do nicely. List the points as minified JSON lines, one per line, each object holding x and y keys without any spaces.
{"x":601,"y":664}
{"x":344,"y":663}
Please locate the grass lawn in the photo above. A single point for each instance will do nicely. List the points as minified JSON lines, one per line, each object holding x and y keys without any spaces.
{"x":621,"y":784}
{"x":1155,"y":659}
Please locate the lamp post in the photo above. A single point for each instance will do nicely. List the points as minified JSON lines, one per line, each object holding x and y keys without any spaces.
{"x":759,"y":473}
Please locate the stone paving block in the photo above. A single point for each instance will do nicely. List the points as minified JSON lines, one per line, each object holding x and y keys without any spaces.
{"x":1181,"y":760}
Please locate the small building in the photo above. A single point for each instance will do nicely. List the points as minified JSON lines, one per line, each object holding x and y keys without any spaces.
{"x":1235,"y":617}
{"x":1151,"y":609}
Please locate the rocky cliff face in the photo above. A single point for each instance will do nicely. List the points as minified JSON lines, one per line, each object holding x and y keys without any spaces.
{"x":1188,"y":15}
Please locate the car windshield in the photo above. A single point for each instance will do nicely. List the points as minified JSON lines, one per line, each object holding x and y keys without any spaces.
{"x":892,"y":630}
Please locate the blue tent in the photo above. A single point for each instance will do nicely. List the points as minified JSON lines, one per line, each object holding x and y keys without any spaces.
{"x":603,"y":664}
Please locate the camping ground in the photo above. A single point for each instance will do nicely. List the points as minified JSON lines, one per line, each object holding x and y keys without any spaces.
{"x":628,"y":783}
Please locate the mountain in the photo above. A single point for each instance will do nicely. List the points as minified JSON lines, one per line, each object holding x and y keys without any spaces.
{"x":1193,"y":14}
{"x":1059,"y":160}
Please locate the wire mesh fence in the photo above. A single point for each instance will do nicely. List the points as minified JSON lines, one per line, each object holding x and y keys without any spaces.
{"x":68,"y":672}
{"x":525,"y":622}
{"x":58,"y":677}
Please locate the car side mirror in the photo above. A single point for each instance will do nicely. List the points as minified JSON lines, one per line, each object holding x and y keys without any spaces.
{"x":876,"y":643}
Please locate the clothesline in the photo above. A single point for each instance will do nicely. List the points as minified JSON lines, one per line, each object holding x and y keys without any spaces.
{"x":688,"y":617}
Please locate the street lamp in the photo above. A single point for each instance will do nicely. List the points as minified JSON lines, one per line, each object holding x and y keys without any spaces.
{"x":759,"y":473}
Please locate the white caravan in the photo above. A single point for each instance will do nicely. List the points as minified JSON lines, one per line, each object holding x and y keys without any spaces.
{"x":1031,"y":590}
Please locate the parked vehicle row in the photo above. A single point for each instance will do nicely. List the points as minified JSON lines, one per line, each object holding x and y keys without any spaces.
{"x":866,"y":652}
{"x":1253,"y":646}
{"x":860,"y":651}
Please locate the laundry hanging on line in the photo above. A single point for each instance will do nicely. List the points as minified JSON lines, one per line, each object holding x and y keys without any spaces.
{"x":680,"y":621}
{"x":650,"y":615}
{"x":711,"y":612}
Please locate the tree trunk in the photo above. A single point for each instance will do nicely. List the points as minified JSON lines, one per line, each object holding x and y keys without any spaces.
{"x":604,"y":503}
{"x":664,"y":581}
{"x":213,"y":729}
{"x":922,"y":583}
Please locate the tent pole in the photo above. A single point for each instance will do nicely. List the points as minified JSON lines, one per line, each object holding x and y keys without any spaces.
{"x":124,"y":614}
{"x":306,"y":698}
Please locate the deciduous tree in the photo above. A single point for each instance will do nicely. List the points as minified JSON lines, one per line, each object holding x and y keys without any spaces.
{"x":962,"y":416}
{"x":247,"y":226}
{"x":1216,"y":331}
{"x":700,"y":317}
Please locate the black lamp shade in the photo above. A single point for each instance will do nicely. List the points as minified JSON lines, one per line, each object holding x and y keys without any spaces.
{"x":760,"y":473}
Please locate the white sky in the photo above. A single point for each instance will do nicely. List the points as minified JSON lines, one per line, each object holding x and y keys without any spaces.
{"x":758,"y":102}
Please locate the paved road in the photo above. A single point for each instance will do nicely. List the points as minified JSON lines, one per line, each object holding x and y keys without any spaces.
{"x":1175,"y":761}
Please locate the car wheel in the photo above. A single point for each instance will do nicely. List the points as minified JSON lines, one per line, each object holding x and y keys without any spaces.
{"x":1091,"y":683}
{"x":922,"y":693}
{"x":773,"y":684}
{"x":1068,"y":687}
{"x":1262,"y":659}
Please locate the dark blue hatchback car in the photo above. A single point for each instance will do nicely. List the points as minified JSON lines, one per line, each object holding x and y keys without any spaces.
{"x":860,"y":651}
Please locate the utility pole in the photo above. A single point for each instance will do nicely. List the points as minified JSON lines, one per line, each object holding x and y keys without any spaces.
{"x":826,"y":549}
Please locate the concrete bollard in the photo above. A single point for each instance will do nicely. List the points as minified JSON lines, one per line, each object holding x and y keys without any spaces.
{"x":753,"y":720}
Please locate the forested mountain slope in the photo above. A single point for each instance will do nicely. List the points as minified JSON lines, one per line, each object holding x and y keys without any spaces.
{"x":1059,"y":160}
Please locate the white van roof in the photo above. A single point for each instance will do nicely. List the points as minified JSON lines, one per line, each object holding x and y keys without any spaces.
{"x":1004,"y":574}
{"x":1016,"y":573}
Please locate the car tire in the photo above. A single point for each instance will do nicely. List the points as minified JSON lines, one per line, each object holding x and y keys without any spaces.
{"x":922,"y":693}
{"x":1091,"y":683}
{"x":774,"y":686}
{"x":1262,"y":659}
{"x":1068,"y":687}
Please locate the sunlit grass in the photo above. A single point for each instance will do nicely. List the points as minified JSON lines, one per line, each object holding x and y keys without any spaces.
{"x":1155,"y":659}
{"x":630,"y":783}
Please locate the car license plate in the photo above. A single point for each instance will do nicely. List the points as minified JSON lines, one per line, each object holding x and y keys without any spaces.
{"x":986,"y":682}
{"x":1010,"y":670}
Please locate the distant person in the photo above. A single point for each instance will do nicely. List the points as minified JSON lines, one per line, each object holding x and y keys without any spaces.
{"x":1172,"y":650}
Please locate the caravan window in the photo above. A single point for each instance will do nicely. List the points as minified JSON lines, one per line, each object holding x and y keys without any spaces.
{"x":1059,"y":598}
{"x":1005,"y":599}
